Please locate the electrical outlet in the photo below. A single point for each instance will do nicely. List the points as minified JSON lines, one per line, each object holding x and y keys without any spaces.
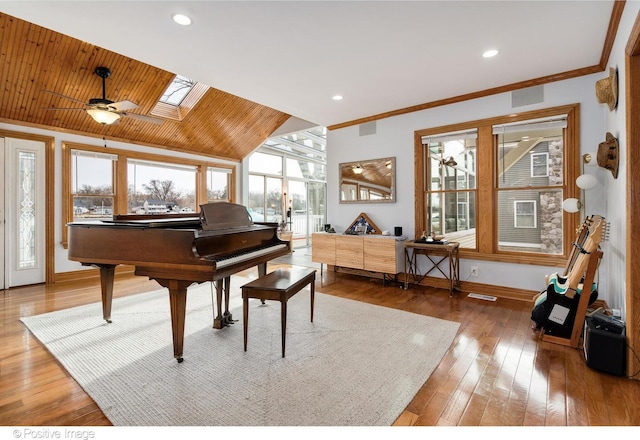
{"x":474,"y":271}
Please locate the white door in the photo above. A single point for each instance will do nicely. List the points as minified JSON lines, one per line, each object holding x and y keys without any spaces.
{"x":23,"y":213}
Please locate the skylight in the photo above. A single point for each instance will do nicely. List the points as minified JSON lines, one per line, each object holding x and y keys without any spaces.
{"x":177,"y":90}
{"x":308,"y":144}
{"x":179,"y":98}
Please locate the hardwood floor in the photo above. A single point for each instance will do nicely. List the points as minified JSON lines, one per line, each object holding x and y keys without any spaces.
{"x":496,"y":372}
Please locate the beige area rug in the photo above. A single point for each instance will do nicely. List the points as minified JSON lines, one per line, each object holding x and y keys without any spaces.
{"x":356,"y":365}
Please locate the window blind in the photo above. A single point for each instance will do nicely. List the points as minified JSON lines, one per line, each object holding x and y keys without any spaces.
{"x":451,"y":136}
{"x":94,"y":154}
{"x":534,"y":124}
{"x":165,"y":165}
{"x":220,"y":170}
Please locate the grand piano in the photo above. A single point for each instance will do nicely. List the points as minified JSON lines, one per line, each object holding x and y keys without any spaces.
{"x":177,"y":251}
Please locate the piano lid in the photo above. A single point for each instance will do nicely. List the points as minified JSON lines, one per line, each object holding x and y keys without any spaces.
{"x":224,"y":215}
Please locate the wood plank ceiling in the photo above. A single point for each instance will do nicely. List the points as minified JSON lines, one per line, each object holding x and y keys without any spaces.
{"x":34,"y":59}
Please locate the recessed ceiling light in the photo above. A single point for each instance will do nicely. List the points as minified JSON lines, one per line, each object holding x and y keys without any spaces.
{"x":182,"y":19}
{"x":337,"y":97}
{"x":490,"y":53}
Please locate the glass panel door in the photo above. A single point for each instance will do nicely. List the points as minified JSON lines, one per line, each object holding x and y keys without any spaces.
{"x":307,"y":201}
{"x":265,"y":199}
{"x":24,"y":234}
{"x":317,"y":203}
{"x":298,"y":222}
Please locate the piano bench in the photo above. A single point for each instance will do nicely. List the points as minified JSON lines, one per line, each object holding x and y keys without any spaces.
{"x":279,"y":285}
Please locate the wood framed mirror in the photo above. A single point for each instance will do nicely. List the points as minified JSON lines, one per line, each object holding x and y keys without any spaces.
{"x":368,"y":181}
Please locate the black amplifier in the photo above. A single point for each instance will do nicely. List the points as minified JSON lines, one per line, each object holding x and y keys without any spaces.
{"x":605,"y":347}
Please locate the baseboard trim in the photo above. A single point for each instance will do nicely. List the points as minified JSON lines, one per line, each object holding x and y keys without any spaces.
{"x":484,"y":289}
{"x":440,"y":283}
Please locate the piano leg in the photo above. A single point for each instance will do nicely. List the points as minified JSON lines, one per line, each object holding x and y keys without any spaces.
{"x":107,"y":273}
{"x":178,"y":303}
{"x":227,"y":317}
{"x":222,"y":319}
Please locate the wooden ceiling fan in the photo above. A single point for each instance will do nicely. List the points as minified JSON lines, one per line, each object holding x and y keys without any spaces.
{"x":103,"y":110}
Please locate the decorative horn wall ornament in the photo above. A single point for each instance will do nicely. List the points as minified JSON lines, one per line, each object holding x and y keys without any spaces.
{"x":607,"y":89}
{"x":608,"y":154}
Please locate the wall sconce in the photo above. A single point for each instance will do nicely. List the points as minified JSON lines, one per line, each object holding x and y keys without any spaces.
{"x":584,"y":182}
{"x":357,"y":169}
{"x":572,"y":205}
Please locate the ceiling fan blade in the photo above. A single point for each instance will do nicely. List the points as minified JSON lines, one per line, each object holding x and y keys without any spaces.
{"x":123,"y":105}
{"x":143,"y":118}
{"x":63,"y":108}
{"x":65,"y":96}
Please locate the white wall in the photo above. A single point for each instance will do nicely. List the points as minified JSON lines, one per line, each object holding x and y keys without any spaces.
{"x":62,"y":263}
{"x":613,"y":262}
{"x":395,"y":137}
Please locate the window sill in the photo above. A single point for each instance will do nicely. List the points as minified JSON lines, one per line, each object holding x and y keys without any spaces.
{"x":529,"y":259}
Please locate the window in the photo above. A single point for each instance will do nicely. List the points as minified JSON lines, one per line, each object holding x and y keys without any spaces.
{"x":177,"y":90}
{"x":265,"y":164}
{"x":265,"y":199}
{"x":160,"y":187}
{"x":100,"y":182}
{"x":451,"y":172}
{"x":92,"y":184}
{"x":539,"y":164}
{"x":529,"y":162}
{"x":179,"y":98}
{"x":287,"y":182}
{"x":304,"y":169}
{"x":524,"y":214}
{"x":218,"y":184}
{"x":497,"y":185}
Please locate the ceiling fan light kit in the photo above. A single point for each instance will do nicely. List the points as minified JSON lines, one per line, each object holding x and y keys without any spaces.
{"x":449,"y":162}
{"x":103,"y":116}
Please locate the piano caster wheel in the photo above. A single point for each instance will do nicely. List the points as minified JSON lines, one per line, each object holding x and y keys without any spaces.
{"x":180,"y":359}
{"x":108,"y":321}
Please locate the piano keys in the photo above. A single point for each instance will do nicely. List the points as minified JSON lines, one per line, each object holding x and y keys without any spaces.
{"x":177,"y":251}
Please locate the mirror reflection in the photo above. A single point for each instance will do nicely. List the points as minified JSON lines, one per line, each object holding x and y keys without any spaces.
{"x":368,"y":181}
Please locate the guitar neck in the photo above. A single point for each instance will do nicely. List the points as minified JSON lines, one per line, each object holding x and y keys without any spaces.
{"x":588,"y":241}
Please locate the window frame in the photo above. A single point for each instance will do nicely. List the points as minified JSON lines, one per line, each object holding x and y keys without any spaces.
{"x":221,"y":170}
{"x":120,"y":205}
{"x":486,"y":191}
{"x":75,"y":153}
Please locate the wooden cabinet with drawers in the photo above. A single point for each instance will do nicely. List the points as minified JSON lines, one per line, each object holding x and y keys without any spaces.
{"x":371,"y":253}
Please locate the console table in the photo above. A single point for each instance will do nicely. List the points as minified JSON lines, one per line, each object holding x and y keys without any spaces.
{"x":378,"y":255}
{"x":436,"y":254}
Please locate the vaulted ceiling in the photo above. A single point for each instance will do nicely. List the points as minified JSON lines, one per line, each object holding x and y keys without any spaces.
{"x":35,"y":60}
{"x":268,"y":60}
